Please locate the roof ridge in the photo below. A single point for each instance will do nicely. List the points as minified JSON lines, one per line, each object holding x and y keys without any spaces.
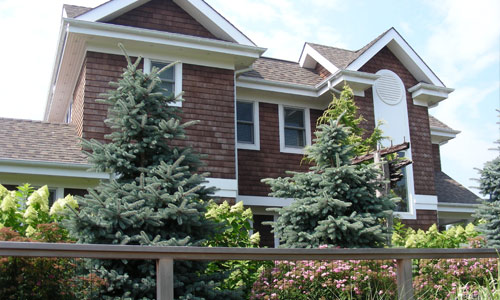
{"x":338,"y":48}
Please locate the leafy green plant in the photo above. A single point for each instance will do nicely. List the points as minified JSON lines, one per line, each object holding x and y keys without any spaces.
{"x":237,"y":226}
{"x":455,"y":237}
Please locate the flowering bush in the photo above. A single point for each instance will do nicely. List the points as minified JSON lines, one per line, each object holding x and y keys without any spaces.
{"x":25,"y":216}
{"x":353,"y":279}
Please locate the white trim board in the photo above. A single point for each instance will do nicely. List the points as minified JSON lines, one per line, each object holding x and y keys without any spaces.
{"x":226,"y":187}
{"x":256,"y":127}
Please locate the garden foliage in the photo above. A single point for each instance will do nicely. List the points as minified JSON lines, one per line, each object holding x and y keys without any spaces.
{"x":237,"y":221}
{"x":335,"y":202}
{"x":25,"y":216}
{"x":358,"y":279}
{"x":489,"y":210}
{"x":156,"y":198}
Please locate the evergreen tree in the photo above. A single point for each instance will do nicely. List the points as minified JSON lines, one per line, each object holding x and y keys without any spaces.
{"x":345,"y":108}
{"x":335,"y":202}
{"x":155,"y":197}
{"x":489,"y":210}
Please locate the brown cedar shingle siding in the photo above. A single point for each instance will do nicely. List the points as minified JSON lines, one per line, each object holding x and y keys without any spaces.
{"x":425,"y":219}
{"x":269,"y":161}
{"x":436,"y":157}
{"x":209,"y":94}
{"x":163,"y":15}
{"x":423,"y":166}
{"x":322,"y":72}
{"x":78,"y":102}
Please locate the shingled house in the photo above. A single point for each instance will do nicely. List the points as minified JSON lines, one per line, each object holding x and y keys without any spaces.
{"x":257,"y":113}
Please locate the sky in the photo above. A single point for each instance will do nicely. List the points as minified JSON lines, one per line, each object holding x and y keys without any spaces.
{"x":458,"y":39}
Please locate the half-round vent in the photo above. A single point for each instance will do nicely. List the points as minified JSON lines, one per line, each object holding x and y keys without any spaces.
{"x":389,"y":87}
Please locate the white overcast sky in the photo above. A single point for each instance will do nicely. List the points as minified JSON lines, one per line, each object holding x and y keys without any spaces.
{"x":458,"y":39}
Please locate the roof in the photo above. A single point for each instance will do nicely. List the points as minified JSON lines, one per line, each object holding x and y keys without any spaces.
{"x":284,"y":71}
{"x":435,"y":123}
{"x":39,"y":141}
{"x":450,"y":191}
{"x":342,"y":58}
{"x":73,"y":11}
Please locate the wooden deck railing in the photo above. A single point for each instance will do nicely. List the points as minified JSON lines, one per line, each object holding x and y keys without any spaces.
{"x":165,"y":257}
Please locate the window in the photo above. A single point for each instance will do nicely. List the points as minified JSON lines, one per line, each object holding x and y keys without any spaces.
{"x":171,"y":79}
{"x":247,"y":125}
{"x":401,"y":189}
{"x":295,"y":129}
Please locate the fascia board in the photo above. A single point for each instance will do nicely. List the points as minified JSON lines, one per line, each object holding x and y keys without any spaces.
{"x":276,"y":86}
{"x":362,"y":79}
{"x":57,"y":64}
{"x":405,"y":53}
{"x":110,"y":10}
{"x":428,"y":94}
{"x":444,"y":132}
{"x":456,"y":207}
{"x":49,"y":169}
{"x":163,"y":38}
{"x":213,"y":21}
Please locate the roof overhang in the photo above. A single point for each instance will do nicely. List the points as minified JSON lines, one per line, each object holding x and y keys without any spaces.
{"x":429,"y":95}
{"x":456,"y":207}
{"x":404,"y":52}
{"x":45,"y":168}
{"x":276,"y":86}
{"x":78,"y":36}
{"x":198,"y":9}
{"x":441,"y":136}
{"x":357,"y":81}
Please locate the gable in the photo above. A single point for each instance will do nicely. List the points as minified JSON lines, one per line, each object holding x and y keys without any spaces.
{"x":162,"y":15}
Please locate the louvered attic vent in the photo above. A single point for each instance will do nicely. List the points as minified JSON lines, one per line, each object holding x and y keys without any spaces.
{"x":389,"y":87}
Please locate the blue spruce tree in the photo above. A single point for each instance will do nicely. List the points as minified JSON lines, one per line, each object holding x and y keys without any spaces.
{"x":155,"y":197}
{"x":335,"y":203}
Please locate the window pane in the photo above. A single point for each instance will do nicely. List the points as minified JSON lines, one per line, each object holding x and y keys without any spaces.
{"x":294,"y":117}
{"x":294,"y":138}
{"x":401,"y":189}
{"x":245,"y":133}
{"x":167,"y":74}
{"x":169,"y":86}
{"x":244,"y":111}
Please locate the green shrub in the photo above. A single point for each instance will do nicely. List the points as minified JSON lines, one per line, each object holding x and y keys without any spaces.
{"x":455,"y":237}
{"x":237,"y":225}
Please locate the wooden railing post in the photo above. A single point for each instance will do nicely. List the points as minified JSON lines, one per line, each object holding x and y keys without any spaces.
{"x":404,"y":279}
{"x":165,"y":279}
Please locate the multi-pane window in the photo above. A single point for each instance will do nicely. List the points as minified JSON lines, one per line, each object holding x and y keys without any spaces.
{"x":167,"y":77}
{"x":294,"y":127}
{"x":245,"y":122}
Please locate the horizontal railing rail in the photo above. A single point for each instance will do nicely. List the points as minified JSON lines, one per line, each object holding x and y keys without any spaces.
{"x":165,"y":257}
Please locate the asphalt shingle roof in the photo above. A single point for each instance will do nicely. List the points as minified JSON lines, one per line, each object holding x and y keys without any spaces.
{"x":450,"y":191}
{"x":284,"y":71}
{"x":433,"y":122}
{"x":73,"y":11}
{"x":39,"y":141}
{"x":342,"y":58}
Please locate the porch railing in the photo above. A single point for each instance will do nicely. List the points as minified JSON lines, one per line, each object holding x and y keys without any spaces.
{"x":165,"y":257}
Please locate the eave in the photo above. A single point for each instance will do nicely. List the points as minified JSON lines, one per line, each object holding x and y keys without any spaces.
{"x":48,"y":168}
{"x":441,"y":136}
{"x":428,"y":95}
{"x":78,"y":36}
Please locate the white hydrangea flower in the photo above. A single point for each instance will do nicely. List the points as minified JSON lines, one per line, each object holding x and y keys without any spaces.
{"x":30,"y":213}
{"x":9,"y":201}
{"x":40,"y":196}
{"x":30,"y":231}
{"x":60,"y":204}
{"x":3,"y":191}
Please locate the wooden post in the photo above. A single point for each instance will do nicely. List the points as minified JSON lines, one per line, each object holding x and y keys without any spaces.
{"x":404,"y":279}
{"x":384,"y":165}
{"x":165,"y":279}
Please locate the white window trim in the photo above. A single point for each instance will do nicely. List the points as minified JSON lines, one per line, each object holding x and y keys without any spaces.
{"x":177,"y":76}
{"x":256,"y":128}
{"x":307,"y":125}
